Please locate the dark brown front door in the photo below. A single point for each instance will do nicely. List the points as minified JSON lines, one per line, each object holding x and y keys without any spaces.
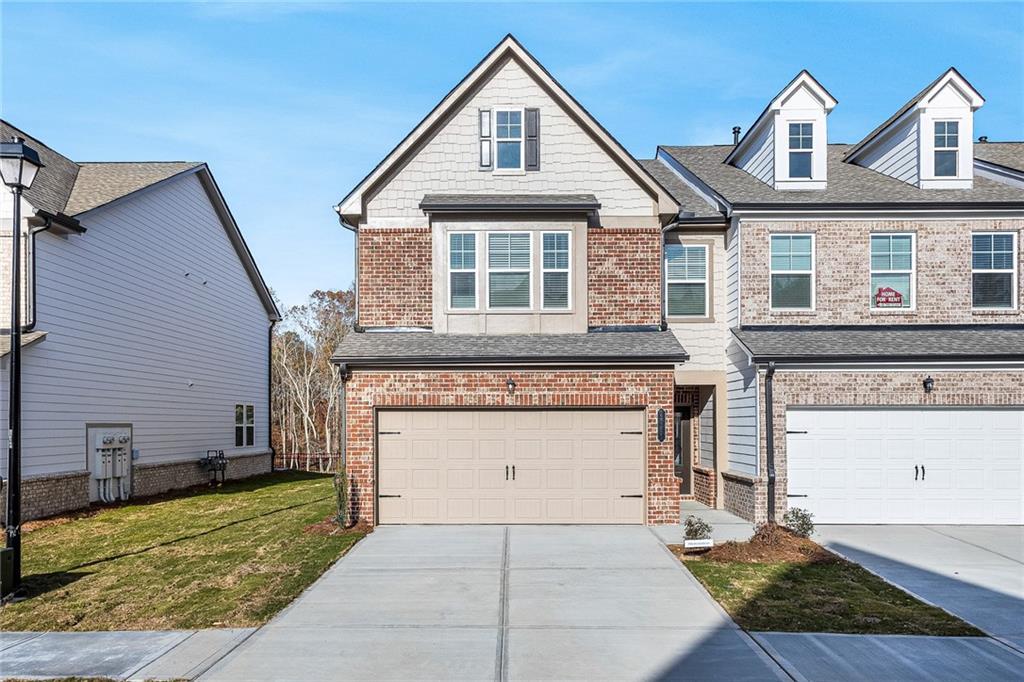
{"x":683,"y":456}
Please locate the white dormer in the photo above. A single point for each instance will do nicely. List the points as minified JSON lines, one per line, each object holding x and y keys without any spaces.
{"x":929,"y":141}
{"x":787,"y":145}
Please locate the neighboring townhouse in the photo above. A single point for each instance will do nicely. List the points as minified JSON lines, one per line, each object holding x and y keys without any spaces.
{"x":875,"y":359}
{"x":147,"y":332}
{"x":526,"y":290}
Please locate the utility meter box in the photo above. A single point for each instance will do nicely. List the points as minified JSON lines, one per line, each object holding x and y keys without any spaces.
{"x":109,"y":458}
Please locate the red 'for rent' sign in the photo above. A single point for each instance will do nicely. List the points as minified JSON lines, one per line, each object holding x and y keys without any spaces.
{"x":887,"y":297}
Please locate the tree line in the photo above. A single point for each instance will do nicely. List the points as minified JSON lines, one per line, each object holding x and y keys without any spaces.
{"x":305,"y":386}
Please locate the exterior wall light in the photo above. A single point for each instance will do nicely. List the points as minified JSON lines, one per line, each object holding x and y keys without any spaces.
{"x":511,"y":386}
{"x":929,"y":384}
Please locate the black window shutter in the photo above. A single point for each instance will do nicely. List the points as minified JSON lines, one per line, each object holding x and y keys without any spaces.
{"x":532,"y":139}
{"x":484,"y":121}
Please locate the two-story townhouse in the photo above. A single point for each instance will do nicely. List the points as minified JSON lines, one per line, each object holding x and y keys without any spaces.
{"x":147,"y":332}
{"x":875,"y":352}
{"x":511,"y":361}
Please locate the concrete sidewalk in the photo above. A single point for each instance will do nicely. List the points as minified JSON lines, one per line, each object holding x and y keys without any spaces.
{"x":134,"y":655}
{"x":725,"y":526}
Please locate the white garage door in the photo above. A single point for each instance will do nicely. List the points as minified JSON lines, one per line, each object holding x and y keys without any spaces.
{"x":890,"y":465}
{"x":510,"y":466}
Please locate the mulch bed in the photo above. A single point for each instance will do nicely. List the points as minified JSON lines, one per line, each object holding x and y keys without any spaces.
{"x":770,"y":544}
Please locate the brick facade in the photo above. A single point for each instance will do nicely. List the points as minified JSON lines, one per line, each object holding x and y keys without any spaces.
{"x":842,"y":279}
{"x":704,"y":485}
{"x":44,"y":496}
{"x":952,"y":388}
{"x":624,"y":276}
{"x":744,"y":496}
{"x":650,"y":388}
{"x":395,"y":277}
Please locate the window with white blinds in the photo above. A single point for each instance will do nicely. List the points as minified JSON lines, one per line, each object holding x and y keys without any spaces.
{"x":509,"y":266}
{"x":462,"y":270}
{"x":555,"y":270}
{"x":994,"y":270}
{"x":686,"y":280}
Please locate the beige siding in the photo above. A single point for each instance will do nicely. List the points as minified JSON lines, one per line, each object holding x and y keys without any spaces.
{"x":570,"y":160}
{"x":706,"y":341}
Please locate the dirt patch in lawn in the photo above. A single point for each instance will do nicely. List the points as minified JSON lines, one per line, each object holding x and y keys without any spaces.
{"x":778,"y":582}
{"x":329,"y":527}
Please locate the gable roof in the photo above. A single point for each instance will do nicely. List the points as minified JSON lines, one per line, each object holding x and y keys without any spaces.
{"x":689,"y":200}
{"x":848,"y":185}
{"x":67,"y":189}
{"x":1006,"y":154}
{"x":802,"y":78}
{"x":508,"y":49}
{"x":948,"y":75}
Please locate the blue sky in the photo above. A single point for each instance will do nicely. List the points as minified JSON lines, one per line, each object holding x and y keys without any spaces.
{"x":292,"y":104}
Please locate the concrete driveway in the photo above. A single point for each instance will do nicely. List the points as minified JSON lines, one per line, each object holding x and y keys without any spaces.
{"x":486,"y":602}
{"x":975,"y":572}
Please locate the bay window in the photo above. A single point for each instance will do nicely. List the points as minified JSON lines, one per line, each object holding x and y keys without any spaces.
{"x":792,"y":272}
{"x":994,"y":270}
{"x":686,"y":280}
{"x":892,"y":271}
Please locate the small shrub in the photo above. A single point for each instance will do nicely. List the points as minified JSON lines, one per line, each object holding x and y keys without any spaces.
{"x":695,"y":528}
{"x":341,"y":497}
{"x":799,"y":521}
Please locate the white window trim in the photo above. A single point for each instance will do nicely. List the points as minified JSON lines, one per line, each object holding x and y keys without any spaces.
{"x":487,"y":277}
{"x":913,"y":274}
{"x":567,"y":270}
{"x":522,"y":140}
{"x":813,"y":272}
{"x":704,"y":281}
{"x":956,"y":149}
{"x":1013,"y":272}
{"x":789,"y":150}
{"x":245,"y":424}
{"x":475,"y":271}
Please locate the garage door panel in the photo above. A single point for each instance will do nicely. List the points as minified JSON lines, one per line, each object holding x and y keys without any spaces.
{"x":563,"y":466}
{"x":858,"y":465}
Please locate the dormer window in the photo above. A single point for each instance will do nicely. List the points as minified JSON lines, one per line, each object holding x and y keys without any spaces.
{"x":801,"y":137}
{"x":947,"y":134}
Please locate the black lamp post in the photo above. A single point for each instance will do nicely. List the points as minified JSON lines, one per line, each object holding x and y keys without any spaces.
{"x":18,"y":167}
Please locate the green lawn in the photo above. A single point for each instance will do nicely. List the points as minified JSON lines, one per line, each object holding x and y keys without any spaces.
{"x":829,"y":596}
{"x":231,"y":557}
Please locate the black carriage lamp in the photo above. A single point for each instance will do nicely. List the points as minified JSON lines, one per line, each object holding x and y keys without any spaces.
{"x":929,"y":384}
{"x":511,"y":386}
{"x":19,"y":165}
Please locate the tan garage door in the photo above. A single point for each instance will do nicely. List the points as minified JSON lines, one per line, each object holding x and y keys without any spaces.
{"x":511,"y":466}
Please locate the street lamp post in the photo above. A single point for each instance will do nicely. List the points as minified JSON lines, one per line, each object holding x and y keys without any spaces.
{"x":19,"y":164}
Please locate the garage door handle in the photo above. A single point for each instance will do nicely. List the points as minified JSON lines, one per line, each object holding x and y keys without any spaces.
{"x":389,"y":433}
{"x":922,"y":472}
{"x":797,"y":495}
{"x":506,"y":472}
{"x":630,"y":495}
{"x":389,"y":496}
{"x":513,"y":472}
{"x":915,"y":472}
{"x":796,"y":432}
{"x":631,"y":433}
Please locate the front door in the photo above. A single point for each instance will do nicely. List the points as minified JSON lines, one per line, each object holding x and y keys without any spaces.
{"x":683,"y":456}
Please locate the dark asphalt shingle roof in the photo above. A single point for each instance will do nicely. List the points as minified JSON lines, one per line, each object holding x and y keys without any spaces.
{"x":847,"y":183}
{"x":391,"y":348}
{"x":464,"y":202}
{"x":688,"y":199}
{"x":1005,"y":154}
{"x":883,"y":343}
{"x":64,"y":186}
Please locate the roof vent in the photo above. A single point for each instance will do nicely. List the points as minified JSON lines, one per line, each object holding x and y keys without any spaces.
{"x":735,"y":134}
{"x":983,"y":139}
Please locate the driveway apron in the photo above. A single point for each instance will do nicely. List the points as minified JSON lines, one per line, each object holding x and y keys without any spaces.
{"x":502,"y":603}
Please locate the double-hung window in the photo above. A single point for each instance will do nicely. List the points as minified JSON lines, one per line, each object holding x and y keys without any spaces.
{"x":555,"y":270}
{"x":245,"y":425}
{"x":947,"y":141}
{"x":792,"y":272}
{"x":994,"y":270}
{"x":462,"y":270}
{"x":892,"y":271}
{"x":509,"y":270}
{"x":801,"y":142}
{"x":508,"y":133}
{"x":686,"y":280}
